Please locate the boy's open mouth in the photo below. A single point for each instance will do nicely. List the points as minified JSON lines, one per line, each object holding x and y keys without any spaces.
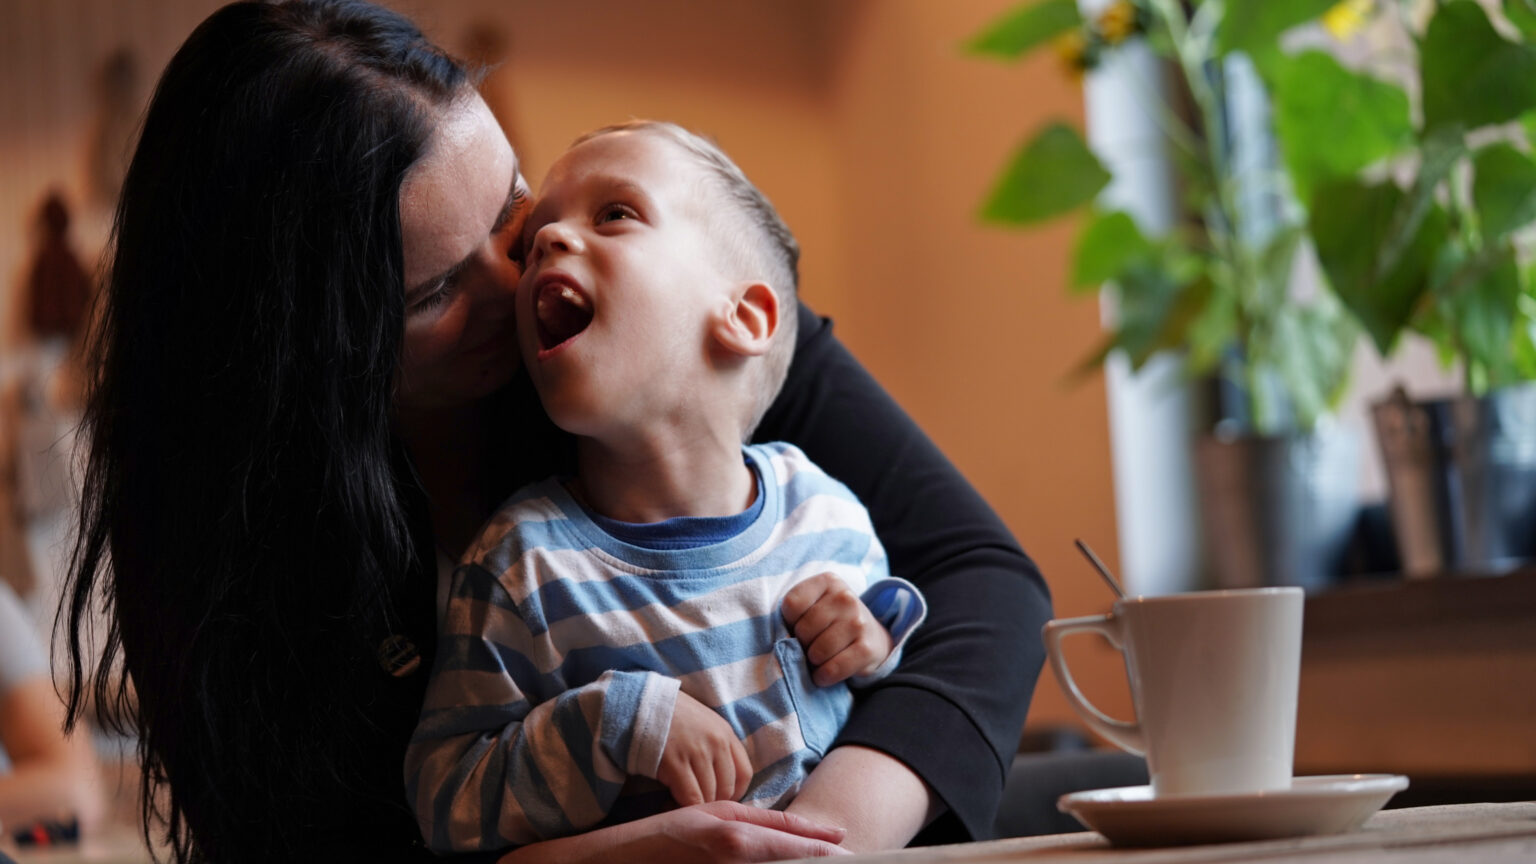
{"x":561,"y":312}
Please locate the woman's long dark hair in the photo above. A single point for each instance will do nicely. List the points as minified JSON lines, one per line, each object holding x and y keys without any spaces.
{"x":243,"y":522}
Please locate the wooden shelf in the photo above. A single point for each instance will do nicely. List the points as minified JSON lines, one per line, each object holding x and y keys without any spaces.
{"x":1382,"y":604}
{"x":1433,"y":678}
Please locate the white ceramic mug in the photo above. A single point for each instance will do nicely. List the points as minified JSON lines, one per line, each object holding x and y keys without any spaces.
{"x":1213,"y":679}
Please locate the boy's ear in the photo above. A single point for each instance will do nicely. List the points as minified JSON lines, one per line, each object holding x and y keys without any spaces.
{"x":746,"y":323}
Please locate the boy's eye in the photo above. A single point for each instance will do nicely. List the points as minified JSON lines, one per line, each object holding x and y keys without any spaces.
{"x":615,"y":212}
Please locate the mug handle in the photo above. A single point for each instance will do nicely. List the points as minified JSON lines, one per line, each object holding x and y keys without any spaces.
{"x":1127,"y":736}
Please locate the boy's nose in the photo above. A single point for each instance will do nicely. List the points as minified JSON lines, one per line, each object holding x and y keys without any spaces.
{"x":558,"y":237}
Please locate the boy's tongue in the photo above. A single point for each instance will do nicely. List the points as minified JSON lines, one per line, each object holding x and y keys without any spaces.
{"x":562,"y":312}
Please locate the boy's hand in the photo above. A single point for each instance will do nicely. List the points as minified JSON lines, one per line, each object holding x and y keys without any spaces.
{"x":704,"y":761}
{"x":841,"y":638}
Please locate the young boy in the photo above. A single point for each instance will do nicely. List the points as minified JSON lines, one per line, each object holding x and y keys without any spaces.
{"x":638,"y":636}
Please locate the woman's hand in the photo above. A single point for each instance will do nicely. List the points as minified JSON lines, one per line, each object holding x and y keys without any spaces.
{"x":841,"y":638}
{"x":726,"y":831}
{"x":723,"y":832}
{"x":703,"y":761}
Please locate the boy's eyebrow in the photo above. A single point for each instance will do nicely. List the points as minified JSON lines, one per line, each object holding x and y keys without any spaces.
{"x":514,"y":197}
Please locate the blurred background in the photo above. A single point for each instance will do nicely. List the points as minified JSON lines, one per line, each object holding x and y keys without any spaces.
{"x":864,"y":121}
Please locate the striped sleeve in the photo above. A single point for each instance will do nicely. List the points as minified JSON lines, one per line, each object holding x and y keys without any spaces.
{"x":503,"y":753}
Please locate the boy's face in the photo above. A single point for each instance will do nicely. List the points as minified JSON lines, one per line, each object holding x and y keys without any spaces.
{"x":621,"y":275}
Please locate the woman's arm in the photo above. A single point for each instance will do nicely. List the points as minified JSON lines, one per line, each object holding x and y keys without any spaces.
{"x":952,"y":712}
{"x":878,"y":800}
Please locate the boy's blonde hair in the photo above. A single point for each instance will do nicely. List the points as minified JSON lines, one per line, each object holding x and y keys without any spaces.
{"x":759,"y":237}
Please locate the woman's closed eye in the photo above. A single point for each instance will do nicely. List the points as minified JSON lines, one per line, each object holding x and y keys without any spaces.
{"x":437,"y":296}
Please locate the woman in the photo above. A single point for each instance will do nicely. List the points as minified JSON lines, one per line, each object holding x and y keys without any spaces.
{"x":308,"y":400}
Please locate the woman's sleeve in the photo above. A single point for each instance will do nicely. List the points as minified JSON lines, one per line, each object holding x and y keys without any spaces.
{"x":954,"y":709}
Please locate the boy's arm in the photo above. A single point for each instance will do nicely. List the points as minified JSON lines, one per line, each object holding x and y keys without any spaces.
{"x":495,"y":761}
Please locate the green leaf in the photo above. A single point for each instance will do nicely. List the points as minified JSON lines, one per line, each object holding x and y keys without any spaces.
{"x":1050,"y":175}
{"x":1439,"y":153}
{"x":1332,"y":122}
{"x":1315,"y":345}
{"x":1350,"y":224}
{"x":1470,"y":74}
{"x":1480,"y":303}
{"x":1095,"y":359}
{"x":1522,"y":14}
{"x":1254,"y":26}
{"x":1433,"y":326}
{"x":1152,"y":312}
{"x":1522,"y":347}
{"x":1277,"y":257}
{"x":1212,"y":331}
{"x":1528,"y":123}
{"x":1024,"y":28}
{"x":1184,"y":264}
{"x":1504,"y":190}
{"x":1190,"y":301}
{"x":1449,"y":260}
{"x":1105,"y":247}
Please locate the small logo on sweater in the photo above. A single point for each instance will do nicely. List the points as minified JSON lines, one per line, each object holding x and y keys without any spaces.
{"x":399,"y":656}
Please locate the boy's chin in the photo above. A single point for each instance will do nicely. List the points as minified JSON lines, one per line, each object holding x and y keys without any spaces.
{"x":573,"y":413}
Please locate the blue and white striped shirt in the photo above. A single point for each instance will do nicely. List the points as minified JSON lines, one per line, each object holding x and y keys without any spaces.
{"x":564,"y":648}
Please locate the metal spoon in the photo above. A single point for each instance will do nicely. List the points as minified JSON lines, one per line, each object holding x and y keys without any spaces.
{"x":1099,"y":566}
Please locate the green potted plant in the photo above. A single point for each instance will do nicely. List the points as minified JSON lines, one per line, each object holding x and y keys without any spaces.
{"x":1218,"y":287}
{"x":1437,"y":241}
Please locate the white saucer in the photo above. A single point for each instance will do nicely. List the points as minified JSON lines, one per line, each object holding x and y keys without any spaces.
{"x":1331,"y":804}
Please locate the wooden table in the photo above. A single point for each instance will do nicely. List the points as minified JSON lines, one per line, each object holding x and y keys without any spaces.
{"x":1422,"y":835}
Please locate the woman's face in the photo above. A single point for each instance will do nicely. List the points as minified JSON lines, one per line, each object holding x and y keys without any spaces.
{"x":461,"y":212}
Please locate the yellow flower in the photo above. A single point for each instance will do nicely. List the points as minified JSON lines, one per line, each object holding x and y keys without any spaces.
{"x":1345,"y":19}
{"x":1117,"y":22}
{"x":1072,"y":48}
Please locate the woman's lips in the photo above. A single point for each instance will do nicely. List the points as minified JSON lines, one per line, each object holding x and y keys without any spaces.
{"x":561,"y":311}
